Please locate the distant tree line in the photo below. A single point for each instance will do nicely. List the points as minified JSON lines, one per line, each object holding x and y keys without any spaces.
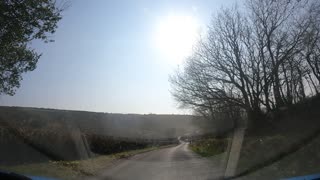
{"x":255,"y":58}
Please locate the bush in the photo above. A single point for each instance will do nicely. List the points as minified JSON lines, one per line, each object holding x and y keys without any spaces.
{"x":101,"y":144}
{"x":209,"y":147}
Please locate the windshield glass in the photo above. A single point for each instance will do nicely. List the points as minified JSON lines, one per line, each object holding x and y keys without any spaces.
{"x":160,"y":89}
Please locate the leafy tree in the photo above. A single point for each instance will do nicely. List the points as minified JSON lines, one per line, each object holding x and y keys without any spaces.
{"x":22,"y":21}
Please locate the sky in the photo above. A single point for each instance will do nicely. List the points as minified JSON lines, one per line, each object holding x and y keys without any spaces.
{"x":115,"y":56}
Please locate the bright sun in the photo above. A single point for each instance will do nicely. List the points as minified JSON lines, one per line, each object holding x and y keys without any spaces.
{"x":176,"y":35}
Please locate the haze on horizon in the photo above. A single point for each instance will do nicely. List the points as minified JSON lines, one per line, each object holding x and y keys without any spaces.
{"x":112,"y":56}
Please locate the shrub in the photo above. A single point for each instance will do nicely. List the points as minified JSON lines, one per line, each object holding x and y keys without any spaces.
{"x":102,"y":144}
{"x":209,"y":147}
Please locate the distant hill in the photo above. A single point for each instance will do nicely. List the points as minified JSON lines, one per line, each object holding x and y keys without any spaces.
{"x":118,"y":125}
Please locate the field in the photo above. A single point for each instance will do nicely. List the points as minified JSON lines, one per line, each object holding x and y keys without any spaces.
{"x":61,"y":143}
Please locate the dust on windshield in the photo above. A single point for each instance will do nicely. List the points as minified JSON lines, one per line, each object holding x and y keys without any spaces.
{"x":160,"y":89}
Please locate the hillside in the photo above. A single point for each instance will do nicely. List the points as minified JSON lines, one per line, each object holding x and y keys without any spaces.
{"x":119,"y":125}
{"x":38,"y":135}
{"x":286,"y":146}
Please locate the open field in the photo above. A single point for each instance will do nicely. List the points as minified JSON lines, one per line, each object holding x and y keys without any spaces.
{"x":117,"y":125}
{"x":31,"y":135}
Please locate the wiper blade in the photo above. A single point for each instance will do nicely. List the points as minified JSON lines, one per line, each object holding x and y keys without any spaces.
{"x":12,"y":176}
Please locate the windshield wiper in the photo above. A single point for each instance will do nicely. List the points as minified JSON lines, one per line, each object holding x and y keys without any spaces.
{"x":12,"y":176}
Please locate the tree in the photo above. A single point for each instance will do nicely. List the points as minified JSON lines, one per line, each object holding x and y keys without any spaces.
{"x":255,"y":60}
{"x":311,"y":49}
{"x":21,"y":22}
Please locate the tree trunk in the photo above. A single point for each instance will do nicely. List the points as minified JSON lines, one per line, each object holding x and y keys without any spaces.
{"x":276,"y":91}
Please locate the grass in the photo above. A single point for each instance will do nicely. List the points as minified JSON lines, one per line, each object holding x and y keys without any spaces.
{"x":292,"y":129}
{"x":209,"y":147}
{"x":73,"y":169}
{"x":297,"y":161}
{"x":256,"y":150}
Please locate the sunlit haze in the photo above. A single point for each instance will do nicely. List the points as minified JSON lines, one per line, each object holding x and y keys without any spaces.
{"x":115,"y":56}
{"x":176,"y":35}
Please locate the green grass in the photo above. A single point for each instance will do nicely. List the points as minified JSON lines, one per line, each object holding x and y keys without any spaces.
{"x":73,"y":169}
{"x":209,"y":147}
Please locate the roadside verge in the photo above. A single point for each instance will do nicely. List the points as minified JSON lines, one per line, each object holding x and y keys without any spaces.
{"x":76,"y":169}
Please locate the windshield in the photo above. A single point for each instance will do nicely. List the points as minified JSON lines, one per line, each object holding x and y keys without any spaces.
{"x":159,"y":89}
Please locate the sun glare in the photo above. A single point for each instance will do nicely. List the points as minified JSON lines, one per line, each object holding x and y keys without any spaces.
{"x":175,"y":36}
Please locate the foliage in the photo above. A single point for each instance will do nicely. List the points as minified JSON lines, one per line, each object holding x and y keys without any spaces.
{"x":209,"y":147}
{"x":101,"y":144}
{"x":21,"y":22}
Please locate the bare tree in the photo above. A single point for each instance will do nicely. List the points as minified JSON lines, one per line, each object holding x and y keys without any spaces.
{"x":258,"y":60}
